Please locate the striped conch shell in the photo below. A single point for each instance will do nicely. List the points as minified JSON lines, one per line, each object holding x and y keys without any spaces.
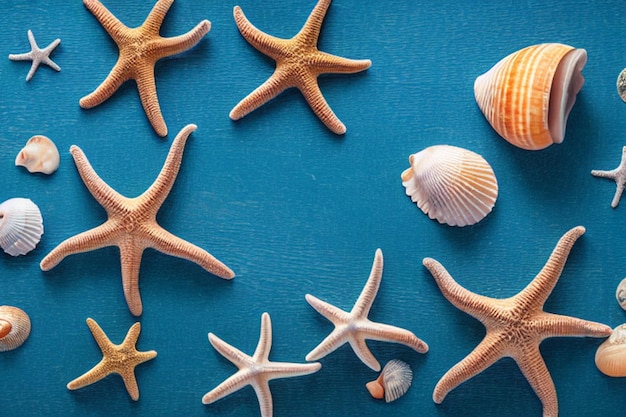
{"x":450,"y":184}
{"x":611,"y":354}
{"x":14,"y":327}
{"x":393,"y":382}
{"x":528,"y":95}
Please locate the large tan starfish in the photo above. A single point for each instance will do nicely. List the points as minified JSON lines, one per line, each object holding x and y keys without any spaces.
{"x":256,"y":370}
{"x":298,"y":64}
{"x":132,"y":225}
{"x":140,"y":48}
{"x":515,"y":326}
{"x":354,"y":327}
{"x":116,"y":359}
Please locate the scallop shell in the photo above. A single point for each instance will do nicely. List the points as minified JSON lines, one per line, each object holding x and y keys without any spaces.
{"x":611,"y":354}
{"x":453,"y":185}
{"x":393,"y":382}
{"x":21,"y":226}
{"x":620,"y":294}
{"x":14,"y":327}
{"x":39,"y":155}
{"x":528,"y":95}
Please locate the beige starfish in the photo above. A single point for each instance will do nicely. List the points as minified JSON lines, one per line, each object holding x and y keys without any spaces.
{"x":618,"y":175}
{"x":132,"y":225}
{"x":354,"y":327}
{"x":140,"y":48}
{"x":116,"y":359}
{"x":256,"y":370}
{"x":37,"y":55}
{"x":515,"y":326}
{"x":298,"y":64}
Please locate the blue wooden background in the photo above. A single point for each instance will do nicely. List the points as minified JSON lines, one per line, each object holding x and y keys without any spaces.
{"x":294,"y":209}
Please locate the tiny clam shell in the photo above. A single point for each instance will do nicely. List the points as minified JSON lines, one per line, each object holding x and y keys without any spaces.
{"x":39,"y":154}
{"x":393,"y":382}
{"x":14,"y":327}
{"x":620,"y":294}
{"x":21,"y":226}
{"x":611,"y":354}
{"x":451,"y":184}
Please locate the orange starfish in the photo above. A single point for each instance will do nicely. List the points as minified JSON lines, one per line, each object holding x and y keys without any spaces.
{"x":515,"y":326}
{"x":298,"y":64}
{"x":116,"y":359}
{"x":132,"y":225}
{"x":140,"y":48}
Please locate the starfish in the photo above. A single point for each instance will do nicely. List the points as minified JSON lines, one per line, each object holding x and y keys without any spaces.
{"x":515,"y":326}
{"x":618,"y":175}
{"x":354,"y":327}
{"x":132,"y":225}
{"x":37,"y":55}
{"x":256,"y":370}
{"x":298,"y":64}
{"x":139,"y":49}
{"x":119,"y":359}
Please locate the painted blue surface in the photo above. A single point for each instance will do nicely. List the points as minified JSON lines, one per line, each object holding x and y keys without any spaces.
{"x":294,"y":209}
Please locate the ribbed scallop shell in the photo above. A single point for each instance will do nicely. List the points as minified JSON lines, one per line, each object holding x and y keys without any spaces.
{"x":394,"y":381}
{"x":450,"y":184}
{"x":21,"y":226}
{"x":611,"y":354}
{"x":14,"y":327}
{"x":39,"y":154}
{"x":528,"y":95}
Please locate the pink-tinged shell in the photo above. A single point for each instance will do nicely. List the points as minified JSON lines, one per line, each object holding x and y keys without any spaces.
{"x":39,"y":154}
{"x":393,"y":382}
{"x":451,"y":184}
{"x":14,"y":327}
{"x":528,"y":95}
{"x":611,"y":354}
{"x":21,"y":226}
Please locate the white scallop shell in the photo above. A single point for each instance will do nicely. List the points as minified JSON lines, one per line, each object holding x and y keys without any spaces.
{"x":39,"y":154}
{"x":21,"y":226}
{"x":451,"y":184}
{"x":14,"y":327}
{"x":394,"y":381}
{"x":611,"y":354}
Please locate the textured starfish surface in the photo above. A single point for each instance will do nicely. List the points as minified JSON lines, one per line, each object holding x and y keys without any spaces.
{"x":298,"y":64}
{"x":618,"y":175}
{"x":139,"y":49}
{"x":37,"y":55}
{"x":132,"y":225}
{"x":256,"y":370}
{"x":515,"y":326}
{"x":116,"y":359}
{"x":354,"y":327}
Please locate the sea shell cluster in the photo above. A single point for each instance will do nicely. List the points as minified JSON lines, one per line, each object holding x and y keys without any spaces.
{"x":14,"y":327}
{"x":21,"y":226}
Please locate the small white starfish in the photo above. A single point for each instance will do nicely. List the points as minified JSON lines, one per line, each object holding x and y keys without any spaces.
{"x":37,"y":55}
{"x":355,"y":327}
{"x":256,"y":370}
{"x":618,"y":175}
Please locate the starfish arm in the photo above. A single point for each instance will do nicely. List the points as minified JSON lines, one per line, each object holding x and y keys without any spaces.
{"x":33,"y":68}
{"x":31,"y":40}
{"x":325,"y":63}
{"x":331,"y":343}
{"x":46,"y":60}
{"x":169,"y":244}
{"x":267,"y":44}
{"x":234,"y":355}
{"x":99,"y":336}
{"x":482,"y":357}
{"x":357,"y":342}
{"x":264,"y":396}
{"x":387,"y":333}
{"x":108,"y":21}
{"x":130,"y":260}
{"x":473,"y":304}
{"x":604,"y":174}
{"x":96,"y":238}
{"x":329,"y":311}
{"x":130,"y":382}
{"x":364,"y":303}
{"x":146,"y":85}
{"x":313,"y":25}
{"x":621,"y":184}
{"x":313,"y":95}
{"x":558,"y":325}
{"x":276,"y":84}
{"x":21,"y":57}
{"x":277,"y":370}
{"x":131,"y":337}
{"x":105,"y":90}
{"x":262,"y":351}
{"x":232,"y":384}
{"x":534,"y":369}
{"x":95,"y":374}
{"x":177,"y":44}
{"x":157,"y":15}
{"x":538,"y":290}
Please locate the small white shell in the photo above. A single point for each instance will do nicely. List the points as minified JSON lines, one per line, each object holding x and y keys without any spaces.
{"x":451,"y":184}
{"x":611,"y":354}
{"x":394,"y":381}
{"x":21,"y":226}
{"x":620,"y":294}
{"x":39,"y":154}
{"x":14,"y":327}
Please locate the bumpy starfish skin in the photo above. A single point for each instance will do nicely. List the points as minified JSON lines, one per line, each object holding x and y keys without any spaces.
{"x":298,"y":64}
{"x":515,"y":326}
{"x":354,"y":327}
{"x":119,"y":359}
{"x":256,"y":370}
{"x":37,"y":55}
{"x":140,"y":48}
{"x":132,"y":225}
{"x":618,"y":175}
